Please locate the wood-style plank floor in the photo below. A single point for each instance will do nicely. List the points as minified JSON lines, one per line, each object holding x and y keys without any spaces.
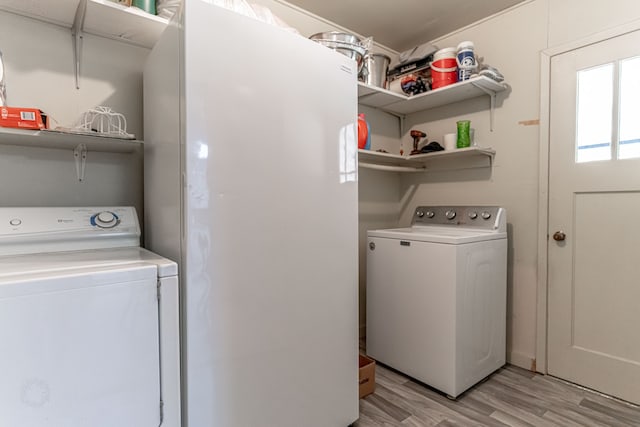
{"x":510,"y":397}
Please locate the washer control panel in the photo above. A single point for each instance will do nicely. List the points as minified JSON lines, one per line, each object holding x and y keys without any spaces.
{"x":73,"y":228}
{"x":486,"y":217}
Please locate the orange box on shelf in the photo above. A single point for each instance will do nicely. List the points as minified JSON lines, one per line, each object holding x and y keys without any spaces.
{"x":22,"y":118}
{"x":367,"y":376}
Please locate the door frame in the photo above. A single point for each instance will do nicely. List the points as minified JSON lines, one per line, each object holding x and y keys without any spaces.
{"x":543,"y":177}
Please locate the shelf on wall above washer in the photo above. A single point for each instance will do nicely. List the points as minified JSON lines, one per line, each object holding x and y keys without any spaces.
{"x":62,"y":140}
{"x":129,"y":24}
{"x":401,"y":104}
{"x":103,"y":18}
{"x":421,"y":162}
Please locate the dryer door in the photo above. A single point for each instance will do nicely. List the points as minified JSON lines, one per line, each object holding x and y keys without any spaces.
{"x":80,"y":348}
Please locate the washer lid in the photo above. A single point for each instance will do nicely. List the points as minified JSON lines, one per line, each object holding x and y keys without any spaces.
{"x":83,"y":262}
{"x":439,"y":234}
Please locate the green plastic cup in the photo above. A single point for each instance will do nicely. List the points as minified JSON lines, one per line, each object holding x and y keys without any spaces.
{"x":464,"y":137}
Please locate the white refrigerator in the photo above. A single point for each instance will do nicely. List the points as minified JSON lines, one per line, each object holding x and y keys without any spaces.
{"x":251,"y":185}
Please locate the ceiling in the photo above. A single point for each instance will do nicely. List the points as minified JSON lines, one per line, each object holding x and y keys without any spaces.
{"x":404,"y":24}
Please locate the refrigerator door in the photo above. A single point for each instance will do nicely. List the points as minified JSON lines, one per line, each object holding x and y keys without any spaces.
{"x":271,"y":226}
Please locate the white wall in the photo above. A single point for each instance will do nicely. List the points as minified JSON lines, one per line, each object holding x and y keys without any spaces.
{"x":512,"y":42}
{"x":571,"y":20}
{"x":39,"y":73}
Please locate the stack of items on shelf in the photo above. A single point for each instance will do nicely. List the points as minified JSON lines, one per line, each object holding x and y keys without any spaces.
{"x":412,"y":74}
{"x":426,"y":67}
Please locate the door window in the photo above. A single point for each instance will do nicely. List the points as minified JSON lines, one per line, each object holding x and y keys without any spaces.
{"x":608,"y":107}
{"x":629,"y":109}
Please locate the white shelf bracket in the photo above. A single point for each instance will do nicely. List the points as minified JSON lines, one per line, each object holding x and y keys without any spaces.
{"x":492,"y":106}
{"x":80,"y":157}
{"x":77,"y":36}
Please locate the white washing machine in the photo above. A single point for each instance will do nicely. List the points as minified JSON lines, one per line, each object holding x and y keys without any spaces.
{"x":436,"y":296}
{"x":88,"y":321}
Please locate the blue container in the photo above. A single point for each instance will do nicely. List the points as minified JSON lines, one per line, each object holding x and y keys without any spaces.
{"x":466,"y":60}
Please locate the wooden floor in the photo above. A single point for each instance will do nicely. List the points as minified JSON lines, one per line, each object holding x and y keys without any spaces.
{"x":510,"y":397}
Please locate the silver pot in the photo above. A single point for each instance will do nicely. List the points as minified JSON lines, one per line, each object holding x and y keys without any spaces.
{"x":376,"y":68}
{"x":337,"y":36}
{"x":345,"y":43}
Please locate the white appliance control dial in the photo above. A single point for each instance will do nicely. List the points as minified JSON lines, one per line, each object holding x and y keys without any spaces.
{"x":485,"y":215}
{"x":430,"y":214}
{"x":420,"y":214}
{"x":105,"y":219}
{"x":473,"y":215}
{"x":450,"y":214}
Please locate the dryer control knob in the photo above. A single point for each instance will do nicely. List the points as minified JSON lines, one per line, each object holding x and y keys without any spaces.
{"x":485,"y":215}
{"x":450,"y":214}
{"x":473,"y":215}
{"x":419,"y":214}
{"x":430,"y":214}
{"x":105,"y":219}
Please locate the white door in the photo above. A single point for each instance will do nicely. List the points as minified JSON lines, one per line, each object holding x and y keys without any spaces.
{"x":594,"y":231}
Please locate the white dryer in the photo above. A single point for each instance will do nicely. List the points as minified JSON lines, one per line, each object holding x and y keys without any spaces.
{"x":88,"y":321}
{"x":436,"y":296}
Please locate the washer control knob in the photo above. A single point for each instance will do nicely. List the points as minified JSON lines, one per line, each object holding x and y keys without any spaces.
{"x":430,"y":214}
{"x":419,"y":214}
{"x":450,"y":214}
{"x":485,"y":215}
{"x":105,"y":219}
{"x":473,"y":215}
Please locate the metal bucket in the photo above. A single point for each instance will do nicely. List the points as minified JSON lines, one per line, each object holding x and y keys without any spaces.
{"x":377,"y":66}
{"x":345,"y":43}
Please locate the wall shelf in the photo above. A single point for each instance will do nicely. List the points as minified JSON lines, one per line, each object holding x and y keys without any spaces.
{"x":81,"y":144}
{"x":103,"y":18}
{"x":99,"y":17}
{"x":67,"y":141}
{"x":422,"y":162}
{"x":401,"y":104}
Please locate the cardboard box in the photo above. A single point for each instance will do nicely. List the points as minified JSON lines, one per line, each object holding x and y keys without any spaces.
{"x":367,"y":377}
{"x":22,"y":118}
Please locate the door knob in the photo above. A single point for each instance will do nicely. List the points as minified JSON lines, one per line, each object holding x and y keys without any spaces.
{"x":559,"y":236}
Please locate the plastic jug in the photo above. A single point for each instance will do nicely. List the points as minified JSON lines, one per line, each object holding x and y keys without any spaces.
{"x":364,"y":139}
